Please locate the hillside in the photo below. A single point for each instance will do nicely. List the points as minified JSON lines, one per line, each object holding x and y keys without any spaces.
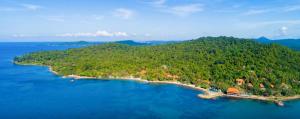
{"x":208,"y":62}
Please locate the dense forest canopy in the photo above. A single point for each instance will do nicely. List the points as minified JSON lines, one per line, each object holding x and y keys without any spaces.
{"x":208,"y":62}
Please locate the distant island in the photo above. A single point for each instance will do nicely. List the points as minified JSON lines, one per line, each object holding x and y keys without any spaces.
{"x":220,"y":66}
{"x":75,"y":43}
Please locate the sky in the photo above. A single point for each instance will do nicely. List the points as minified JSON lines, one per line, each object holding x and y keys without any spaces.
{"x":142,"y":20}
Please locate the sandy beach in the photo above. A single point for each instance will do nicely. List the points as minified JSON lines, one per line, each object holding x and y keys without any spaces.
{"x":207,"y":94}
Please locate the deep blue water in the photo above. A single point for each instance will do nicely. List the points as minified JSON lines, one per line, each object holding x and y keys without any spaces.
{"x":30,"y":92}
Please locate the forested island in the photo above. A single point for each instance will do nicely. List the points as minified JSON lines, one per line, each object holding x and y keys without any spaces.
{"x":231,"y":65}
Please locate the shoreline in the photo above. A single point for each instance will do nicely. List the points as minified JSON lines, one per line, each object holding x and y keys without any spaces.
{"x":207,"y":94}
{"x":132,"y":79}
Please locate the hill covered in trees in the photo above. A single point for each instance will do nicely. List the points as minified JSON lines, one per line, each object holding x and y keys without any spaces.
{"x":208,"y":62}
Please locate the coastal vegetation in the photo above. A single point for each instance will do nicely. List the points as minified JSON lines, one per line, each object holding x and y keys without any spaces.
{"x":221,"y":63}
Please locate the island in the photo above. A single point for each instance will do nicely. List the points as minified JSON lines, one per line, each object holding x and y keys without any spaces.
{"x":219,"y":66}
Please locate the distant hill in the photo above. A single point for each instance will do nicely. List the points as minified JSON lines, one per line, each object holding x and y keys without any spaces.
{"x":76,"y":43}
{"x":263,"y":40}
{"x":127,"y":42}
{"x":135,"y":43}
{"x":131,"y":42}
{"x":291,"y":43}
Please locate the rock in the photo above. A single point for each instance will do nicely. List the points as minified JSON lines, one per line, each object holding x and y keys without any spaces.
{"x":279,"y":103}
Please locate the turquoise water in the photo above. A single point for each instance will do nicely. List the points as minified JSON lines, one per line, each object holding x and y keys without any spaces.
{"x":29,"y":92}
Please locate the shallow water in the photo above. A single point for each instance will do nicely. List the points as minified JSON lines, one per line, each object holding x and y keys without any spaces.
{"x":33,"y":92}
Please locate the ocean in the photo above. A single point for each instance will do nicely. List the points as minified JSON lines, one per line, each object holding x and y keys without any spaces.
{"x":32,"y":92}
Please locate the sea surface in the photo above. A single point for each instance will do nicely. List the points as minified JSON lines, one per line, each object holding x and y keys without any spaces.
{"x":32,"y":92}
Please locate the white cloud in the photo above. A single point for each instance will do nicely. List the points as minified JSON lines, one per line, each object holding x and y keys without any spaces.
{"x":255,"y":12}
{"x":185,"y":10}
{"x":103,"y":33}
{"x":158,"y":3}
{"x":31,"y":7}
{"x":124,"y":13}
{"x":121,"y":34}
{"x":21,"y":7}
{"x":268,"y":23}
{"x":289,"y":22}
{"x":292,"y":8}
{"x":181,"y":10}
{"x":272,"y":10}
{"x":20,"y":35}
{"x":283,"y":30}
{"x":96,"y":34}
